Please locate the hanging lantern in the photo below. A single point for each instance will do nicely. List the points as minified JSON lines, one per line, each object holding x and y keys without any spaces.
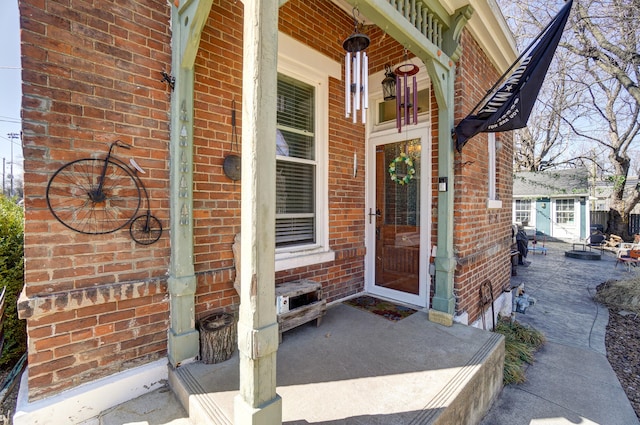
{"x":356,"y":73}
{"x":406,"y":97}
{"x":389,"y":84}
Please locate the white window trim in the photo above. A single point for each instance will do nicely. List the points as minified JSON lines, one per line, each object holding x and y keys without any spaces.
{"x":575,"y":211}
{"x":530,"y":211}
{"x":305,"y":64}
{"x":375,"y":97}
{"x":492,"y":201}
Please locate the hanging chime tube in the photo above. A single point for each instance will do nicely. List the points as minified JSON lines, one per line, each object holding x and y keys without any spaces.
{"x":358,"y":79}
{"x":398,"y":103}
{"x":354,"y":84}
{"x":347,"y":84}
{"x":415,"y":100}
{"x":406,"y":101}
{"x":365,"y":86}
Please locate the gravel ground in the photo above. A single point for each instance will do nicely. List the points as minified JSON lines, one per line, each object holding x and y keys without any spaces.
{"x":8,"y":407}
{"x":623,"y":351}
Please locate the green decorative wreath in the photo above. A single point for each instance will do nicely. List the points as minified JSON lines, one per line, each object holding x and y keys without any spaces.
{"x":411,"y":171}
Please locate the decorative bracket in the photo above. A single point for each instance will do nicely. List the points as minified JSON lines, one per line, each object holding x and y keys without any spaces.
{"x":169,"y":79}
{"x":451,"y":42}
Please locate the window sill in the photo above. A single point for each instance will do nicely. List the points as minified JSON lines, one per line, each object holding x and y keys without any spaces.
{"x":494,"y":204}
{"x":293,"y":259}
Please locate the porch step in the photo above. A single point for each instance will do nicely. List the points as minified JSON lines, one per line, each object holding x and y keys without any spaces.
{"x":196,"y":400}
{"x":472,"y":391}
{"x":363,"y":368}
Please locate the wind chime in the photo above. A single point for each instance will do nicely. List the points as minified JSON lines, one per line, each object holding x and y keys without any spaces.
{"x":356,"y":73}
{"x":406,"y":97}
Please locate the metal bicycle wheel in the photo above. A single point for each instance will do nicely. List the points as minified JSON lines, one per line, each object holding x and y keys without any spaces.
{"x":145,"y":229}
{"x":78,"y":200}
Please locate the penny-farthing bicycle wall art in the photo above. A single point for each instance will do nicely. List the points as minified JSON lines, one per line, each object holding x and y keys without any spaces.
{"x":96,"y":196}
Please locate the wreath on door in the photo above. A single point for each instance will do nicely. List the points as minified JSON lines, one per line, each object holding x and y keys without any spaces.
{"x":411,"y":171}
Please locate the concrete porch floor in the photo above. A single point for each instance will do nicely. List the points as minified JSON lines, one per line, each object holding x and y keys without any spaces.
{"x":360,"y":368}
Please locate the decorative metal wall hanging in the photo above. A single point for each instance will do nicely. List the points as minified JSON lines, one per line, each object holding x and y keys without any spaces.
{"x":96,"y":196}
{"x":356,"y":73}
{"x":233,"y":162}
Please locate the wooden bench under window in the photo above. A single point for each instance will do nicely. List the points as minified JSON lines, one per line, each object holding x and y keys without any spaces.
{"x":299,"y":302}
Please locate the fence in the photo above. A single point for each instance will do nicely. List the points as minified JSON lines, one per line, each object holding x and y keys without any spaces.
{"x":599,"y":220}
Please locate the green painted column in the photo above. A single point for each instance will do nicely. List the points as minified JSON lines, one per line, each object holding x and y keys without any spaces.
{"x":443,"y":304}
{"x":187,"y":22}
{"x":257,"y":401}
{"x":443,"y":74}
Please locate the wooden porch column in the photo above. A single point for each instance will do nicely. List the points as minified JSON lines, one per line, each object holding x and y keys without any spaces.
{"x":187,"y":21}
{"x":443,"y":76}
{"x":443,"y":304}
{"x":257,"y":402}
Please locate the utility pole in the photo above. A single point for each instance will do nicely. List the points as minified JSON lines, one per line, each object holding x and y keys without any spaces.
{"x":11,"y":137}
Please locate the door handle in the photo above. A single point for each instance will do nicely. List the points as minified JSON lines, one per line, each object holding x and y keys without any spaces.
{"x":371,"y":213}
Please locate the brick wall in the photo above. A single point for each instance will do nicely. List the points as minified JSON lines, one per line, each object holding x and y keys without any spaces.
{"x":482,"y":237}
{"x":217,"y":198}
{"x":96,"y":304}
{"x":218,"y":82}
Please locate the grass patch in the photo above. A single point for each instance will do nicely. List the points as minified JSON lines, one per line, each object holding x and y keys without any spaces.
{"x":620,"y":294}
{"x":520,"y":343}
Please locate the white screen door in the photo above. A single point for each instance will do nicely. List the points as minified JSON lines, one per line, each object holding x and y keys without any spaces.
{"x":397,"y":246}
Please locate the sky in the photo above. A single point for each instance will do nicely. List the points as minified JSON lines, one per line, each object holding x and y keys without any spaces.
{"x":10,"y":86}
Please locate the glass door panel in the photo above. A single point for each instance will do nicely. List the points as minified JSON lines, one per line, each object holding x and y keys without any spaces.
{"x":397,"y":232}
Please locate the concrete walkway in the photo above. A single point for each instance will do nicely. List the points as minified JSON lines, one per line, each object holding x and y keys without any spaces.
{"x":356,"y":368}
{"x":571,"y":381}
{"x":359,"y":368}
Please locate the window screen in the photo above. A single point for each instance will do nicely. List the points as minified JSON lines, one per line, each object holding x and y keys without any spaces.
{"x":295,"y":163}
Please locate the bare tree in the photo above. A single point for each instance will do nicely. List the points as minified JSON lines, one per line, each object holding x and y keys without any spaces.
{"x":606,"y":38}
{"x":592,"y":90}
{"x":545,"y":143}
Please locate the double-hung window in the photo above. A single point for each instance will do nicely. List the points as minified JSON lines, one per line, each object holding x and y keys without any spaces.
{"x":565,"y":211}
{"x":295,"y":164}
{"x":492,"y":198}
{"x":523,"y":210}
{"x":302,"y":152}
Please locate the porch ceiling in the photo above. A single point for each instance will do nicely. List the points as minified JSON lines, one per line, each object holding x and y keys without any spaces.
{"x":487,"y":25}
{"x":420,"y":26}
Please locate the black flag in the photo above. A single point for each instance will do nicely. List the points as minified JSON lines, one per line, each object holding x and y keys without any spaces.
{"x":510,"y":105}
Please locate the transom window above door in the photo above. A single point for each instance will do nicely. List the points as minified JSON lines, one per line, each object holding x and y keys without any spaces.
{"x":387,"y":108}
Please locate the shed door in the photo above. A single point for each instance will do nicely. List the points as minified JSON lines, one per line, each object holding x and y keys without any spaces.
{"x":543,"y":216}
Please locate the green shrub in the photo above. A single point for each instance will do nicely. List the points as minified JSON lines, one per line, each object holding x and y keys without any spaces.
{"x":12,"y":277}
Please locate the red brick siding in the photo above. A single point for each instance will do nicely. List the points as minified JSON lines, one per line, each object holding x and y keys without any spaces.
{"x":98,"y":302}
{"x":217,"y":199}
{"x":89,"y":79}
{"x":87,"y":334}
{"x":482,"y":237}
{"x":91,"y":75}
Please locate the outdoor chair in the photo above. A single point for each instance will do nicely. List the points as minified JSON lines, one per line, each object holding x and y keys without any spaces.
{"x":597,"y":240}
{"x":628,"y":254}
